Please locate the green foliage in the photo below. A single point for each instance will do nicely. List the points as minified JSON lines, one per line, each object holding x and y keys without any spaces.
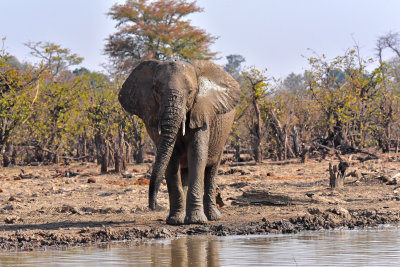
{"x":17,"y":95}
{"x":346,"y":93}
{"x":53,"y":58}
{"x":53,"y":111}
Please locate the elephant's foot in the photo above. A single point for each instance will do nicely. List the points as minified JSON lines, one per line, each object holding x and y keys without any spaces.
{"x":195,"y":217}
{"x":212,"y":213}
{"x":177,"y":218}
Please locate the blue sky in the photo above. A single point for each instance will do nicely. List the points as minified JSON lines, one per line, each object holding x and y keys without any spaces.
{"x":268,"y":33}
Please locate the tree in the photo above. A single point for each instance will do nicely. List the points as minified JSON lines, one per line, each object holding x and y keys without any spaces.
{"x":55,"y":119}
{"x":53,"y":58}
{"x":234,"y":65}
{"x":347,"y":96}
{"x":156,"y":30}
{"x":294,"y":83}
{"x":257,"y":87}
{"x":390,"y":40}
{"x":19,"y":86}
{"x":234,"y":68}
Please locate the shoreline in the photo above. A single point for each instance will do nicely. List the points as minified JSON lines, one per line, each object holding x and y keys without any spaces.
{"x":47,"y":209}
{"x":29,"y":240}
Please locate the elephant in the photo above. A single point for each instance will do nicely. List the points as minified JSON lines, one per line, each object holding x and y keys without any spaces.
{"x":188,"y":109}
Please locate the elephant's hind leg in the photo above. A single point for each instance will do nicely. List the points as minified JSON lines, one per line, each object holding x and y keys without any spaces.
{"x":176,"y":195}
{"x":210,"y":205}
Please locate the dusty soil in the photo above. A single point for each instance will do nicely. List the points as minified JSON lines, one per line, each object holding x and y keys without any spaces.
{"x":74,"y":205}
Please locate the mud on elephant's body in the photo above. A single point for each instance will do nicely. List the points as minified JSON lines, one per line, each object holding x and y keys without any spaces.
{"x":188,"y":109}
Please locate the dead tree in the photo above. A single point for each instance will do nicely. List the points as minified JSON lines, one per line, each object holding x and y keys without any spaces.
{"x":296,"y":141}
{"x":120,"y":152}
{"x":337,"y":173}
{"x":102,"y":149}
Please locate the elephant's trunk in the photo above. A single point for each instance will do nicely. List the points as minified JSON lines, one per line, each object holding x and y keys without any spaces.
{"x":170,"y":123}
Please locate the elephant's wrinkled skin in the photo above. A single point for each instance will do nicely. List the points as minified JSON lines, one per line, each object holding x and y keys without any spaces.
{"x":188,"y":109}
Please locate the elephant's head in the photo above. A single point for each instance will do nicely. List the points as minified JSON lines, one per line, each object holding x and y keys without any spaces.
{"x":169,"y":93}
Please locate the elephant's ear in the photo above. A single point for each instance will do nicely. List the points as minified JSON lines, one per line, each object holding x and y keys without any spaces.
{"x":136,"y":95}
{"x":218,"y":93}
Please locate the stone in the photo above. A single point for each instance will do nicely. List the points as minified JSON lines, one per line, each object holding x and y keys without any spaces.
{"x":127,"y":175}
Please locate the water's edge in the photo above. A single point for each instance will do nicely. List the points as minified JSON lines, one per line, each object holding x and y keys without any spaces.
{"x":371,"y":246}
{"x":334,"y":218}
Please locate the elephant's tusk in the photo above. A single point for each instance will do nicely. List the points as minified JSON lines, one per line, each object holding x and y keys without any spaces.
{"x":183,"y":125}
{"x":159,"y":128}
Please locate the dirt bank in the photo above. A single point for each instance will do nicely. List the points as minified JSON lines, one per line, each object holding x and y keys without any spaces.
{"x":73,"y":205}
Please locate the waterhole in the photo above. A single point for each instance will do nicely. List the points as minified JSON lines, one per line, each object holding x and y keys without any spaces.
{"x":373,"y":247}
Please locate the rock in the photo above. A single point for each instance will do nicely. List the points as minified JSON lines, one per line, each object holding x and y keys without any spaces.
{"x":384,"y":178}
{"x":324,"y":199}
{"x":91,"y":180}
{"x":218,"y":199}
{"x":12,"y":219}
{"x":340,"y":211}
{"x":232,"y":171}
{"x":393,"y":180}
{"x":67,"y":209}
{"x":12,"y":198}
{"x":9,"y":207}
{"x":239,"y":184}
{"x":136,"y":170}
{"x":70,"y":174}
{"x":127,"y":175}
{"x":28,"y":176}
{"x":353,"y":172}
{"x":164,"y":233}
{"x":263,"y":197}
{"x":270,"y":174}
{"x":314,"y":211}
{"x":310,"y":195}
{"x":142,"y":181}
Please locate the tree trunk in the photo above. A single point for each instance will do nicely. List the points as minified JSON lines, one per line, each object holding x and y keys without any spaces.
{"x":128,"y":152}
{"x":337,"y":174}
{"x":296,"y":143}
{"x":82,"y":148}
{"x":305,"y":151}
{"x":139,"y":154}
{"x":102,"y":152}
{"x":257,"y":133}
{"x":237,"y":149}
{"x":120,"y":155}
{"x":339,"y":135}
{"x":104,"y":161}
{"x":7,"y":154}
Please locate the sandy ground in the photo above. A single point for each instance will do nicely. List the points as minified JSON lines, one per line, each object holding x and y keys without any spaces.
{"x":74,"y":205}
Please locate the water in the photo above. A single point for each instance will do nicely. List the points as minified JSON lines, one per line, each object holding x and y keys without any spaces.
{"x":375,"y":247}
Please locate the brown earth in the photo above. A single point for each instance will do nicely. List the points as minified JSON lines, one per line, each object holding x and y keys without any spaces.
{"x":74,"y":205}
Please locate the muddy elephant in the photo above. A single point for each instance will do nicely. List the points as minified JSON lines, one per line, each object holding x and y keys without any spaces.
{"x":188,"y":110}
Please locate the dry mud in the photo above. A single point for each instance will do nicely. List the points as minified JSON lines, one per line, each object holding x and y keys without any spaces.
{"x":62,"y":206}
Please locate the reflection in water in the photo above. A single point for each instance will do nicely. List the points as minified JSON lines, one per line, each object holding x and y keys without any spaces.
{"x":202,"y":252}
{"x":332,"y":248}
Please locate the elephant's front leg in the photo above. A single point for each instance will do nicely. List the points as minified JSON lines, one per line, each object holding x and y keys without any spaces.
{"x":176,"y":195}
{"x":197,"y":159}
